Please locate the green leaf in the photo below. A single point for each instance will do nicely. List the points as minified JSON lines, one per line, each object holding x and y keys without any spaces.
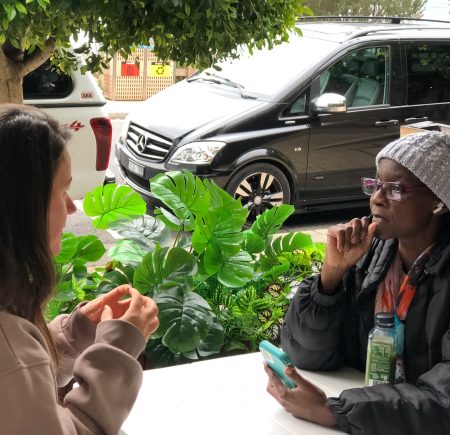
{"x":232,"y":271}
{"x":253,"y":243}
{"x":69,"y":243}
{"x":246,"y":299}
{"x":183,"y":193}
{"x":160,"y":355}
{"x":145,"y":230}
{"x":53,"y":309}
{"x":111,"y":203}
{"x":121,"y":275}
{"x":219,"y":198}
{"x":10,"y":11}
{"x":220,"y":226}
{"x":172,"y":222}
{"x":235,"y":345}
{"x":42,"y":4}
{"x":89,"y":248}
{"x":213,"y":342}
{"x":165,"y":268}
{"x":127,"y":251}
{"x":79,"y":249}
{"x":291,"y":241}
{"x":65,"y":296}
{"x":269,"y":222}
{"x":21,"y":8}
{"x":184,"y":319}
{"x":276,"y":270}
{"x":14,"y":43}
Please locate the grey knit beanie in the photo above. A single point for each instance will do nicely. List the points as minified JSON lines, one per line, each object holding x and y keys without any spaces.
{"x":427,"y":156}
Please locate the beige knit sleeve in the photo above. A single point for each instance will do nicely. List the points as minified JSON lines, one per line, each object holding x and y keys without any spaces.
{"x":108,"y":375}
{"x":72,"y":334}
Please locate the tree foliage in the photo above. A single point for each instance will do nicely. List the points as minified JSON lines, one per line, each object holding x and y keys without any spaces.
{"x":191,"y":32}
{"x":380,"y":8}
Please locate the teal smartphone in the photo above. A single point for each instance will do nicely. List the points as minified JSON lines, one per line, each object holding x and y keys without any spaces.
{"x":277,"y":360}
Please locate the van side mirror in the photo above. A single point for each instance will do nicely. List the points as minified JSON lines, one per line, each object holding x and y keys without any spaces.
{"x":330,"y":103}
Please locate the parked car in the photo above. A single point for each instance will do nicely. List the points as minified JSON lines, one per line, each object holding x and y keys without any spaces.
{"x":77,"y":102}
{"x":300,"y":123}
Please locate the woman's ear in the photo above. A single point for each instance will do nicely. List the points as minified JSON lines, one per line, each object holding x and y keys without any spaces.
{"x":440,"y":209}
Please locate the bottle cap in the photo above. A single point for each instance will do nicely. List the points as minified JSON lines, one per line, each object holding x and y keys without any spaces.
{"x":385,"y":320}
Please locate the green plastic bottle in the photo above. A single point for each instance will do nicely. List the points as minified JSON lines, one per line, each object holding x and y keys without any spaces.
{"x":380,"y":365}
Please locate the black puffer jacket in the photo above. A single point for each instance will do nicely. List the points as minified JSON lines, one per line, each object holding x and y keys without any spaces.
{"x":324,"y":332}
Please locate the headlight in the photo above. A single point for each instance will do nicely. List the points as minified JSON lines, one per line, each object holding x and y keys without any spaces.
{"x":197,"y":153}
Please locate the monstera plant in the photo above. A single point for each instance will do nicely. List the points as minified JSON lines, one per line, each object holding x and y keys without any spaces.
{"x":213,"y":278}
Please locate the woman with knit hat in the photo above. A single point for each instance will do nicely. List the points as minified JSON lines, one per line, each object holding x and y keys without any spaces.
{"x":397,"y":261}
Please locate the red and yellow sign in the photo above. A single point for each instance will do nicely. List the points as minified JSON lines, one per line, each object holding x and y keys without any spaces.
{"x":129,"y":69}
{"x":158,"y":69}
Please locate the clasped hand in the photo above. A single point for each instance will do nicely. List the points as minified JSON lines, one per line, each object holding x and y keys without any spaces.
{"x":139,"y":310}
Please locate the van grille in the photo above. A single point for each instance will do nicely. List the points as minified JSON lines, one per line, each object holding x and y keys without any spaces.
{"x":143,"y":142}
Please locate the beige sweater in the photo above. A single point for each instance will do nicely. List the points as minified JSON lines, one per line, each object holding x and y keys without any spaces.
{"x":102,"y":361}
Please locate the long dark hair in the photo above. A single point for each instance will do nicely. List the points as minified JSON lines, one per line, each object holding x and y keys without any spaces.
{"x":31,"y":145}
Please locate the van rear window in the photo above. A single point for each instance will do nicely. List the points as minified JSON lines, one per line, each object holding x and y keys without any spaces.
{"x":46,"y":83}
{"x":428,"y":73}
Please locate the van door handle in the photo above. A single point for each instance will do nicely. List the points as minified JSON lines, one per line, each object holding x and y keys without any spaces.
{"x":420,"y":119}
{"x":390,"y":123}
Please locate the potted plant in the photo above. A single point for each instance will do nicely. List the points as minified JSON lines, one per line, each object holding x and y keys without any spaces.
{"x":220,"y":287}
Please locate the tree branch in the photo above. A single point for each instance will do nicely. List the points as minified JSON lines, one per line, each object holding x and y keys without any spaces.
{"x":38,"y":57}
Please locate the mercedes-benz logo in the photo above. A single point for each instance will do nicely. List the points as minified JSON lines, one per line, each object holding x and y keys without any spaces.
{"x":141,"y":143}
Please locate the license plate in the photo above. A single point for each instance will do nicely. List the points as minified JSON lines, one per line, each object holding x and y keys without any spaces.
{"x":135,"y":168}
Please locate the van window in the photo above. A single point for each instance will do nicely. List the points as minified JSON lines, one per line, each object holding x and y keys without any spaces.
{"x":428,"y":73}
{"x":298,"y":107}
{"x":361,"y":76}
{"x":45,"y":83}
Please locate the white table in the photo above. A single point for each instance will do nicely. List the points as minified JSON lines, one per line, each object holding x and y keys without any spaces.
{"x":223,"y":396}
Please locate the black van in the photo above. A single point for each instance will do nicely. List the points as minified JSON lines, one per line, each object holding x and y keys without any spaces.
{"x":300,"y":123}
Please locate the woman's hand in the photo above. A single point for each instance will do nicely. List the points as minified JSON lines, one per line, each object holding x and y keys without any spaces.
{"x":139,"y":310}
{"x":93,"y":309}
{"x":306,"y":401}
{"x":346,"y":244}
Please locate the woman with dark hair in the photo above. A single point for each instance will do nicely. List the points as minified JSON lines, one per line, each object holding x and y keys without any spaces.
{"x":397,"y":262}
{"x":99,"y":342}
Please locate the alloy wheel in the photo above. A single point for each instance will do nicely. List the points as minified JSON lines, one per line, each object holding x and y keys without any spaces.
{"x":258,"y":192}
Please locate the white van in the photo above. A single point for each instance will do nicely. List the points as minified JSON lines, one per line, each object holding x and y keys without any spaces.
{"x":77,"y":102}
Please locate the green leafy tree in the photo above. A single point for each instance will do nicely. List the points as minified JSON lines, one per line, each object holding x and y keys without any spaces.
{"x":380,"y":8}
{"x":191,"y":32}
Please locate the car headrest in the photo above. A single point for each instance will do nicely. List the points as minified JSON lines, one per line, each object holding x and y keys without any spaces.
{"x":353,"y":66}
{"x":370,"y":67}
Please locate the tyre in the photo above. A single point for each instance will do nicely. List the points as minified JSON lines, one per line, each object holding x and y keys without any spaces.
{"x":260,"y":187}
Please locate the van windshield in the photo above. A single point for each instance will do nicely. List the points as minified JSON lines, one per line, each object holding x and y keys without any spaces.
{"x":266,"y":72}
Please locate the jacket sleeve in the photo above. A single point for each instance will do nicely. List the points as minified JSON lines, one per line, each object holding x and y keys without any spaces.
{"x":109,"y":379}
{"x":312,"y":329}
{"x":72,"y":334}
{"x":418,"y":409}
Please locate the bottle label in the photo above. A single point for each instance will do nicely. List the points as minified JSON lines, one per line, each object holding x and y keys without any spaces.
{"x":380,"y":367}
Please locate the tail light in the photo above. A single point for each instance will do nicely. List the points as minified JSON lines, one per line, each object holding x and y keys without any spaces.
{"x":103,"y":135}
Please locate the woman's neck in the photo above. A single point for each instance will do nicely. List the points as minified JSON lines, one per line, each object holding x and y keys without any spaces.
{"x":411,"y":248}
